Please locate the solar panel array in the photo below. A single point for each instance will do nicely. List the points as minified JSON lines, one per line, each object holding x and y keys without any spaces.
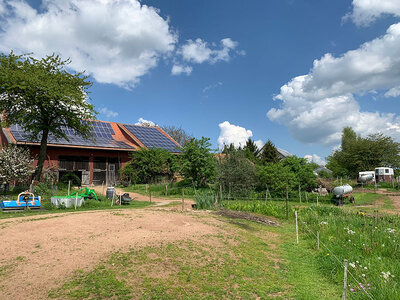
{"x":102,"y":137}
{"x":152,"y":138}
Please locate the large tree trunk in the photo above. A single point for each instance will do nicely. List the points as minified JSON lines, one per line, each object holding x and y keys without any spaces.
{"x":42,"y":155}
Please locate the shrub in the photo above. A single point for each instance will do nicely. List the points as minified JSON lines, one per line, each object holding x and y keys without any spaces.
{"x":75,"y":180}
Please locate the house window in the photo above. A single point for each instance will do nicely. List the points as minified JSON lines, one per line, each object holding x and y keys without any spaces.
{"x":386,"y":171}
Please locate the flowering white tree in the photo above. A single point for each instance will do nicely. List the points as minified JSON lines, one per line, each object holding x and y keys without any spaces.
{"x":15,"y":164}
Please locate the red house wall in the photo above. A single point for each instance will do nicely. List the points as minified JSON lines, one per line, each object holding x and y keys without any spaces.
{"x":53,"y":153}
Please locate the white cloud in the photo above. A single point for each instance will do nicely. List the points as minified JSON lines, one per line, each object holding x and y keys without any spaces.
{"x":179,"y":69}
{"x":115,"y":41}
{"x":199,"y":51}
{"x":315,"y":107}
{"x":233,"y":134}
{"x":315,"y":159}
{"x":367,"y":11}
{"x":108,"y":112}
{"x":212,"y":86}
{"x":144,"y":122}
{"x":393,"y":92}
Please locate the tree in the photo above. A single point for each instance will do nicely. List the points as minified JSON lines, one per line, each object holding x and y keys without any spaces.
{"x":292,"y":172}
{"x":149,"y":165}
{"x":178,"y":134}
{"x":252,"y":151}
{"x":236,"y":173}
{"x":198,"y":164}
{"x":362,"y":154}
{"x":15,"y":164}
{"x":43,"y":98}
{"x":269,"y":153}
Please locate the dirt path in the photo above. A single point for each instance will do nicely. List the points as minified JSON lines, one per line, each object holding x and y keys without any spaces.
{"x":40,"y":252}
{"x":393,"y":196}
{"x":157,"y":200}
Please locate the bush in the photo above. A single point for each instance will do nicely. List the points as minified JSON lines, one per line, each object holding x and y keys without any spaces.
{"x":204,"y":200}
{"x":75,"y":180}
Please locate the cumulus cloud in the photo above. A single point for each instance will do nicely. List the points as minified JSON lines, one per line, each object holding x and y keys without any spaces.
{"x":315,"y":107}
{"x":144,"y":122}
{"x":234,"y":134}
{"x":199,"y":51}
{"x":315,"y":159}
{"x":367,"y":11}
{"x":115,"y":41}
{"x":108,"y":112}
{"x":179,"y":69}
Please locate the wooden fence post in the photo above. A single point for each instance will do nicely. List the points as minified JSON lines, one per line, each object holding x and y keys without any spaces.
{"x":300,"y":193}
{"x":220,"y":192}
{"x":183,"y":199}
{"x":150,"y":192}
{"x":287,"y":203}
{"x":69,"y":187}
{"x":297,"y":228}
{"x":345,"y":281}
{"x":166,"y":190}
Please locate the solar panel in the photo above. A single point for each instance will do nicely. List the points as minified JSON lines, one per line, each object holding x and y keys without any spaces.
{"x":102,"y":137}
{"x":151,"y":137}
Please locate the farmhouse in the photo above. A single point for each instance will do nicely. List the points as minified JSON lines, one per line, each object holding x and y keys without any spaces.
{"x":95,"y":160}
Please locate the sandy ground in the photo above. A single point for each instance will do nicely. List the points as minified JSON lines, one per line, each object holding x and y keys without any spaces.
{"x":38,"y":253}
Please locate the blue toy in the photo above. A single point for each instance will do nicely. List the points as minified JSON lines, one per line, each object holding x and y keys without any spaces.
{"x":24,"y":200}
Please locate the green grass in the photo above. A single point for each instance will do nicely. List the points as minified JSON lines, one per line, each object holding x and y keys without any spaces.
{"x":369,"y":240}
{"x":249,"y":261}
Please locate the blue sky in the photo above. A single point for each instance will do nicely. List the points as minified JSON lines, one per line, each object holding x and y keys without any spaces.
{"x":231,"y":59}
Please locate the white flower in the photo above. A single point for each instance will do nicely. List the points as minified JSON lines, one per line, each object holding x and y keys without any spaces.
{"x":352,"y":265}
{"x":363,"y":275}
{"x":349,"y":231}
{"x":323,"y":223}
{"x":390,"y":230}
{"x":383,"y":245}
{"x":386,"y":275}
{"x":379,"y":258}
{"x":365,"y":268}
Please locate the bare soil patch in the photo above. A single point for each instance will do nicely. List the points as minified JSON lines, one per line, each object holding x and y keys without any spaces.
{"x":247,"y":216}
{"x":38,"y":253}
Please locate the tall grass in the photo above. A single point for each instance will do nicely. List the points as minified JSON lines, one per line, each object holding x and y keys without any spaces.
{"x":369,"y":242}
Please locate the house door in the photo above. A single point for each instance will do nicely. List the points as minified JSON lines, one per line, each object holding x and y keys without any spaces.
{"x":85,"y":177}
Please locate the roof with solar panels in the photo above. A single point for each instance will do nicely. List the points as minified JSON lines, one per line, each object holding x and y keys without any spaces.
{"x":105,"y":135}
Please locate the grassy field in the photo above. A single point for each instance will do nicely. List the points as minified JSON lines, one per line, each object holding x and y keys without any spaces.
{"x":367,"y":238}
{"x":249,"y":261}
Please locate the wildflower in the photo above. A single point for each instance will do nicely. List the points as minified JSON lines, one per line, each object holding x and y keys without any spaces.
{"x":365,"y":268}
{"x":383,"y":245}
{"x":390,"y":230}
{"x":349,"y":240}
{"x":385,"y":275}
{"x":351,"y":290}
{"x":357,"y":261}
{"x":349,"y":231}
{"x":352,"y":265}
{"x":323,"y":223}
{"x":363,"y":275}
{"x":327,"y":254}
{"x":379,"y":258}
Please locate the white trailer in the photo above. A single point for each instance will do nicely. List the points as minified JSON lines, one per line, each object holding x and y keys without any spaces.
{"x":384,"y":174}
